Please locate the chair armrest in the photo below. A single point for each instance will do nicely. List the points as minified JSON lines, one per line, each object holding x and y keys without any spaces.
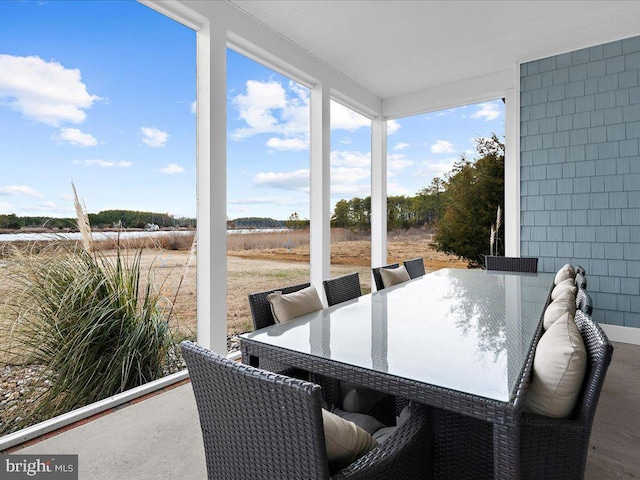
{"x":405,"y":454}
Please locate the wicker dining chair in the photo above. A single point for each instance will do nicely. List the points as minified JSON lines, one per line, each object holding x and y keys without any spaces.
{"x":584,"y":302}
{"x":260,"y":425}
{"x":557,"y":447}
{"x":261,"y":309}
{"x":378,"y":278}
{"x":581,"y":281}
{"x":511,"y":264}
{"x":338,"y":290}
{"x":550,"y":448}
{"x":580,"y":269}
{"x":262,"y":317}
{"x":341,"y":289}
{"x":415,"y":267}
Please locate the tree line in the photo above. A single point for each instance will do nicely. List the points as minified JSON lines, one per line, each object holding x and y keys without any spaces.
{"x":100,"y":220}
{"x":459,"y":208}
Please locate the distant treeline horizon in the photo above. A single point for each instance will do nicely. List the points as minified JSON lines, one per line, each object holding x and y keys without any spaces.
{"x":103,"y":219}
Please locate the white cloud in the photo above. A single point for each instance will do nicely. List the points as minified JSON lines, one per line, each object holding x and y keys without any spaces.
{"x":346,"y":119}
{"x":48,"y":205}
{"x":46,"y":92}
{"x":193,"y":107}
{"x":488,"y":111}
{"x":443,"y":146}
{"x":397,"y":161}
{"x":353,"y":190}
{"x":257,"y":108}
{"x":75,"y":137}
{"x":392,"y":127}
{"x":436,"y":168}
{"x":5,"y":207}
{"x":297,"y":180}
{"x":20,"y":190}
{"x":265,"y":201}
{"x":401,"y":146}
{"x":342,"y":175}
{"x":346,"y":141}
{"x":346,"y":158}
{"x":154,"y":137}
{"x":172,"y":169}
{"x":102,"y":163}
{"x":396,"y":189}
{"x":288,"y":143}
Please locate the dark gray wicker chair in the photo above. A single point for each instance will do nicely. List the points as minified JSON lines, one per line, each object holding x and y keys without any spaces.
{"x":378,"y":278}
{"x":341,"y":289}
{"x":557,"y":448}
{"x":584,"y":302}
{"x":258,"y":425}
{"x":580,"y":269}
{"x":511,"y":264}
{"x":415,"y":267}
{"x":261,"y":309}
{"x":263,"y":317}
{"x":581,"y":281}
{"x":550,"y":448}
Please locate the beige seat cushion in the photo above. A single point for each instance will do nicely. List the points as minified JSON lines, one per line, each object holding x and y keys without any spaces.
{"x":565,"y":285}
{"x":565,"y":273}
{"x":565,"y":304}
{"x":559,"y":367}
{"x":291,"y":305}
{"x":394,"y":276}
{"x":345,"y":441}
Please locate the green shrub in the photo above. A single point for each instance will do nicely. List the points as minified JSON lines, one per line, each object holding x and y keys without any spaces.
{"x":94,"y":322}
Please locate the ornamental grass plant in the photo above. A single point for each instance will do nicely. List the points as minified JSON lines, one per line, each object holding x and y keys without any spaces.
{"x":93,"y":323}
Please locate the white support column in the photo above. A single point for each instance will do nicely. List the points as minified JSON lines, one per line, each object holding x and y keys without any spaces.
{"x":512,"y":168}
{"x":212,"y":188}
{"x":378,"y":193}
{"x":320,"y":229}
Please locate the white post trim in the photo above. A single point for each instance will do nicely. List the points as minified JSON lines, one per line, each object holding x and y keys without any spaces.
{"x":512,"y":168}
{"x":378,"y":193}
{"x":320,"y":200}
{"x":212,"y":188}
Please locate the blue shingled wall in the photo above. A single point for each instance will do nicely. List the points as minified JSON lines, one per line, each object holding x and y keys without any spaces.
{"x":580,"y":171}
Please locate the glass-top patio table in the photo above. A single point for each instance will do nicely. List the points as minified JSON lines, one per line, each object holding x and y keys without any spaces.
{"x":459,"y":340}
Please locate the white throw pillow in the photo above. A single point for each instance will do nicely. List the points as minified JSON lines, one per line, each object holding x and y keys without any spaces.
{"x":565,"y":273}
{"x":394,"y":276}
{"x":292,"y":305}
{"x":345,"y":441}
{"x":564,"y":304}
{"x":559,"y":367}
{"x":566,"y":285}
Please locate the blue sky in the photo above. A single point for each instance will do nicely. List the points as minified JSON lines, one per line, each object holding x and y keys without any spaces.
{"x":102,"y":94}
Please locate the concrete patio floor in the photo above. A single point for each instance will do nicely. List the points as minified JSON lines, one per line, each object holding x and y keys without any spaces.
{"x":159,"y":438}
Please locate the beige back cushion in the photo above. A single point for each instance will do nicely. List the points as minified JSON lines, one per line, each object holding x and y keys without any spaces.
{"x":394,"y":276}
{"x":291,"y":305}
{"x":566,"y":285}
{"x":565,"y":304}
{"x":559,"y":367}
{"x":345,"y":441}
{"x":565,"y":273}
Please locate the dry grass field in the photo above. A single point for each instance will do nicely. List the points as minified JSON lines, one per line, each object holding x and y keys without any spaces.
{"x":261,"y":261}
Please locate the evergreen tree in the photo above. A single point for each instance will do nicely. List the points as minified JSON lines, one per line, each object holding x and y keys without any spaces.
{"x":475,"y":190}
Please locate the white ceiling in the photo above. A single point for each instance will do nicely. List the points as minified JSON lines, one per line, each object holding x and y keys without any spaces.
{"x":397,"y":47}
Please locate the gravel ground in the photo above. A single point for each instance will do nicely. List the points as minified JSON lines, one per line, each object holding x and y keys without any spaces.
{"x":19,"y":385}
